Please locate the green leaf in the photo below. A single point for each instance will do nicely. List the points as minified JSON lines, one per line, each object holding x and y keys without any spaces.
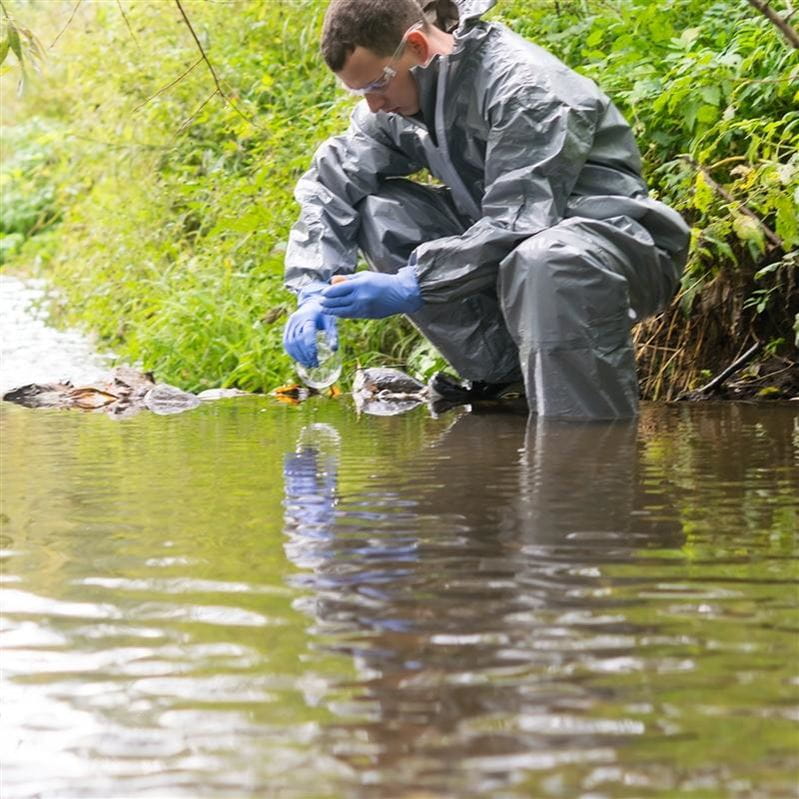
{"x":787,"y":219}
{"x":623,"y":42}
{"x":786,"y":172}
{"x":660,"y":29}
{"x":14,"y":42}
{"x":4,"y":47}
{"x":594,"y":38}
{"x":689,"y":36}
{"x":690,"y":289}
{"x":642,"y":89}
{"x":711,"y":94}
{"x":689,"y":113}
{"x":767,"y":270}
{"x":703,"y":193}
{"x":748,"y":230}
{"x":707,"y":114}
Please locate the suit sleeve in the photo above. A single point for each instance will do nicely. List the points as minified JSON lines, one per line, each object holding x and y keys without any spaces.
{"x":345,"y":169}
{"x":537,"y":146}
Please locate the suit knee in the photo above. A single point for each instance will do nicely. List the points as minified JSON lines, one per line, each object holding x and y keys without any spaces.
{"x":555,"y":289}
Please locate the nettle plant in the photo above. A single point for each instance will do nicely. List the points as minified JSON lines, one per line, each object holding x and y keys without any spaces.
{"x":711,"y":91}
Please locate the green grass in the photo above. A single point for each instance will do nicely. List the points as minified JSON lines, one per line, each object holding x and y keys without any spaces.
{"x":163,"y":218}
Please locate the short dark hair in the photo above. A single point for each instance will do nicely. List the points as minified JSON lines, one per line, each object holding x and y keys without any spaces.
{"x":377,"y":25}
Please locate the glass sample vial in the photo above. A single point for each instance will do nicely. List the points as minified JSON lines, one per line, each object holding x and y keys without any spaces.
{"x":329,"y":369}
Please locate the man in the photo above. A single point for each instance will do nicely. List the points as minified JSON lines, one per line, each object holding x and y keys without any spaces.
{"x":541,"y":248}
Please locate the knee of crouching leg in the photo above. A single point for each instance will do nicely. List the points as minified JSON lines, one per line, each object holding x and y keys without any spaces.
{"x":544,"y":265}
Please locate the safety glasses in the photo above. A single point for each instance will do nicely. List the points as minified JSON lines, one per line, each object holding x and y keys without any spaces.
{"x":389,"y":70}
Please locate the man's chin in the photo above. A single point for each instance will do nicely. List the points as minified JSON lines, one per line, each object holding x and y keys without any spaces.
{"x":406,"y":111}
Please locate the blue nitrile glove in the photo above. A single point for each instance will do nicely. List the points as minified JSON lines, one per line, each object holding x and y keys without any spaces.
{"x":373,"y":295}
{"x":299,"y":335}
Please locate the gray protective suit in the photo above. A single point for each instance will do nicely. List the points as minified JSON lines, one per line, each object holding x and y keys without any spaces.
{"x":542,"y":246}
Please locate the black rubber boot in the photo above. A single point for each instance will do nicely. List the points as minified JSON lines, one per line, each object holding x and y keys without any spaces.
{"x":449,"y":388}
{"x":513,"y":390}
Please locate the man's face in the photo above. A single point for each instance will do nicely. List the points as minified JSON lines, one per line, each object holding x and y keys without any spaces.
{"x":400,"y":95}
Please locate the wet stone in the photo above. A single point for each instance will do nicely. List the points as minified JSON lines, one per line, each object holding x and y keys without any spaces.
{"x":125,"y":393}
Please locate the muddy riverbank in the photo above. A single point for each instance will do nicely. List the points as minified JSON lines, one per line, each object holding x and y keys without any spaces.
{"x":33,"y":352}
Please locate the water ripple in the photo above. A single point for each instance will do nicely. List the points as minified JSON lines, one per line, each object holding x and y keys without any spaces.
{"x":263,"y":600}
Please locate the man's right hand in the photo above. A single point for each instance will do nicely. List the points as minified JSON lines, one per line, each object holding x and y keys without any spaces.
{"x":299,"y":335}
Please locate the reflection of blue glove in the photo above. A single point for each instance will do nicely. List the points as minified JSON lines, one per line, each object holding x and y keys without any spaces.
{"x":299,"y":335}
{"x":373,"y":295}
{"x":310,"y":484}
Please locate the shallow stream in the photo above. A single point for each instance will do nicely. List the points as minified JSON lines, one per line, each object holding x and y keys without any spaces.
{"x":254,"y":599}
{"x":261,"y":600}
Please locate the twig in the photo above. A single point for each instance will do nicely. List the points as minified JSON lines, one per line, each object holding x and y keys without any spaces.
{"x":663,"y":369}
{"x":127,"y":22}
{"x":3,"y":7}
{"x":655,"y":329}
{"x":770,"y":234}
{"x":746,"y":81}
{"x":724,"y":161}
{"x":196,"y":111}
{"x":69,"y":21}
{"x":734,"y":367}
{"x":211,"y":69}
{"x":772,"y":16}
{"x":168,"y":86}
{"x":770,"y":375}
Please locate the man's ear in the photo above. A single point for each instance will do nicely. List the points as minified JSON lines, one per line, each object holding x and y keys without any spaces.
{"x":419,"y":45}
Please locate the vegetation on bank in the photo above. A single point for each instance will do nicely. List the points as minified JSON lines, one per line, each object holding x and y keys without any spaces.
{"x":160,"y":208}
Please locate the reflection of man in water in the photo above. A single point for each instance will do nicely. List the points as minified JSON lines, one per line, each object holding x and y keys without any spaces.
{"x":310,"y":478}
{"x":467,"y":596}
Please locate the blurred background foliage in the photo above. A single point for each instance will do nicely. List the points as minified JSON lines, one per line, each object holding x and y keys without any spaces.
{"x":160,"y":209}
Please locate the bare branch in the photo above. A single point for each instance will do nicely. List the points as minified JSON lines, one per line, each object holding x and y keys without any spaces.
{"x":169,"y":85}
{"x":774,"y":17}
{"x":69,"y":21}
{"x":127,"y":22}
{"x":196,"y":111}
{"x":211,"y":69}
{"x":716,"y":383}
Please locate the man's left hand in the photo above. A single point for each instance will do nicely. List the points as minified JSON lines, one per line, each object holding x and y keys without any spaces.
{"x":373,"y":295}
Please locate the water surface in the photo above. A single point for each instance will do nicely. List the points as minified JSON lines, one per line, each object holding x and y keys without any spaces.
{"x":258,"y":600}
{"x":31,"y":350}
